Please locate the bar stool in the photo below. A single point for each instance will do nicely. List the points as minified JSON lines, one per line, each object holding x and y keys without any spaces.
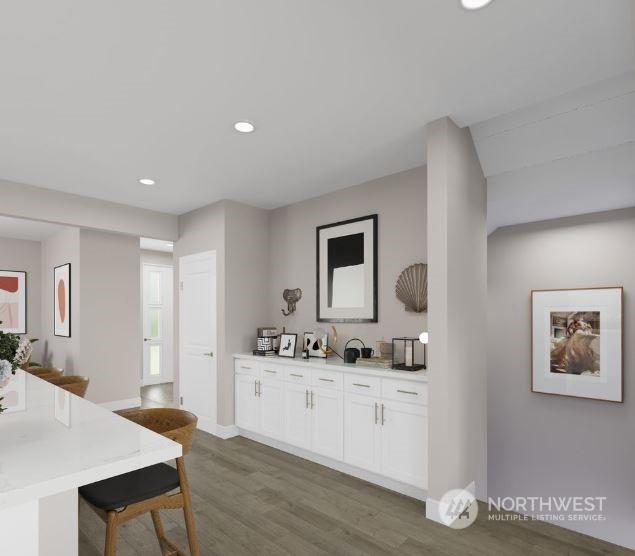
{"x":120,"y":499}
{"x":45,"y":372}
{"x":74,"y":384}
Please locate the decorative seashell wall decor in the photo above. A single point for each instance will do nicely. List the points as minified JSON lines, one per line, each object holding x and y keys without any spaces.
{"x":412,"y":288}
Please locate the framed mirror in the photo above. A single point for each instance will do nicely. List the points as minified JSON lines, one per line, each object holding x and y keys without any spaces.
{"x":347,"y":271}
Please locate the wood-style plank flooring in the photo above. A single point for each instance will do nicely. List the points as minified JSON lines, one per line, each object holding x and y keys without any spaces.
{"x":252,"y":499}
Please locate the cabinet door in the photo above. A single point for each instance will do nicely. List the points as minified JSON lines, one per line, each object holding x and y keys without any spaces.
{"x":297,"y":419}
{"x":362,"y":432}
{"x":271,"y":394}
{"x":404,"y":442}
{"x":247,"y":402}
{"x":327,"y":422}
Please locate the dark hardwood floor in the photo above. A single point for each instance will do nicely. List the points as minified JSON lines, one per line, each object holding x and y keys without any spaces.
{"x":252,"y":499}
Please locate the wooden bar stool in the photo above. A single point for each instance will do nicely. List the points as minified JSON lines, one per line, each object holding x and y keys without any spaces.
{"x":74,"y":384}
{"x":127,"y":496}
{"x":45,"y":372}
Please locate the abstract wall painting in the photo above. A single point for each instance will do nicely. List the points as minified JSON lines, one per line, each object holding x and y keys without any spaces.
{"x":13,"y":301}
{"x":62,"y":300}
{"x":347,"y":271}
{"x":577,"y":343}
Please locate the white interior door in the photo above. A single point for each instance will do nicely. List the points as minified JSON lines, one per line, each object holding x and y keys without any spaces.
{"x":197,"y":337}
{"x":157,"y":324}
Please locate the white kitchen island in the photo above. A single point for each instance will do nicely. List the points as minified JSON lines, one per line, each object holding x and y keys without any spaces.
{"x":51,"y":443}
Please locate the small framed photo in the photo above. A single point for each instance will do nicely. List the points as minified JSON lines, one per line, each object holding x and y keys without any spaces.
{"x":287,"y":345}
{"x":577,"y":343}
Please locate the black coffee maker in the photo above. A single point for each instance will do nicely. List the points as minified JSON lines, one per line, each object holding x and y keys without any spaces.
{"x":351,"y":354}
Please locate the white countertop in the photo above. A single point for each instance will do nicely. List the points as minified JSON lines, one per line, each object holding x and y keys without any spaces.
{"x":52,"y":441}
{"x":338,"y":365}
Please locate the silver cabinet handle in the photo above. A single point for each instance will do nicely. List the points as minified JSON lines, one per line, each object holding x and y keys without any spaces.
{"x":408,"y":392}
{"x":259,"y":388}
{"x":272,"y":372}
{"x":256,"y":388}
{"x":312,"y":404}
{"x":326,"y":379}
{"x":245,"y":367}
{"x":361,"y":385}
{"x":299,"y":376}
{"x":383,"y":421}
{"x":376,"y":417}
{"x":306,"y":399}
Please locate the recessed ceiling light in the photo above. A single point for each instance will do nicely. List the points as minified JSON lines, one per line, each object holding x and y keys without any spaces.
{"x":244,"y":127}
{"x":475,"y":4}
{"x":147,"y":181}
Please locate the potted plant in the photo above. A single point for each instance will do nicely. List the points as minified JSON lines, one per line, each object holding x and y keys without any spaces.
{"x":14,"y":352}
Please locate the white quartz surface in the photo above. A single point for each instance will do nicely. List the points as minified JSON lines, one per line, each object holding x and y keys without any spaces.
{"x":338,"y":365}
{"x":53,"y":441}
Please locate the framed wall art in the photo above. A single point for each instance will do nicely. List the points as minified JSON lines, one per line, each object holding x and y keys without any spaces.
{"x":577,"y":343}
{"x":13,"y":301}
{"x":62,"y":300}
{"x":347,"y":271}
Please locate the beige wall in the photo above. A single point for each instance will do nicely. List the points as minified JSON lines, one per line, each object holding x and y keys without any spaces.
{"x":18,"y":254}
{"x":110,"y":315}
{"x":247,"y":267}
{"x":400,"y":202}
{"x":541,"y":445}
{"x":37,"y":203}
{"x":58,"y":249}
{"x":457,"y":255}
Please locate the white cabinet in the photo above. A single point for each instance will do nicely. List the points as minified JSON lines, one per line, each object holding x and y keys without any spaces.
{"x":297,"y":422}
{"x":362,"y":432}
{"x":271,"y":395}
{"x":327,"y":407}
{"x":404,"y":440}
{"x":370,"y":422}
{"x":247,"y":402}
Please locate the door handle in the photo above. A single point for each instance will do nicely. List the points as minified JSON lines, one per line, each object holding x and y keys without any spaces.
{"x":210,"y":354}
{"x":306,"y":399}
{"x":147,"y":339}
{"x":383,"y":420}
{"x":259,"y":389}
{"x":376,"y":417}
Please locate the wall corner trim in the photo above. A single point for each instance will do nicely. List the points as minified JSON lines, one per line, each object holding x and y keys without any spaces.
{"x":226,"y":431}
{"x":432,"y":511}
{"x":118,"y":405}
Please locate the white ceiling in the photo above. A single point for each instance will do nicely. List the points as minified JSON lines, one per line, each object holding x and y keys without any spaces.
{"x":573,"y":154}
{"x":98,"y":94}
{"x":18,"y":228}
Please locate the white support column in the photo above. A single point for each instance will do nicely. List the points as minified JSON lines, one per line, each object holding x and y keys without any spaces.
{"x":457,"y":282}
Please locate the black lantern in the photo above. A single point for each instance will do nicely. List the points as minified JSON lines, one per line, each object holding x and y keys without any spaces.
{"x":403,"y":354}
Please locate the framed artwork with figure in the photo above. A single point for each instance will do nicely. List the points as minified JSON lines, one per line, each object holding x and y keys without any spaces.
{"x":577,"y":343}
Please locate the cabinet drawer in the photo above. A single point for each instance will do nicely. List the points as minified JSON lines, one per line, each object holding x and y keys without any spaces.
{"x":326,"y":379}
{"x":405,"y":391}
{"x":271,"y":371}
{"x":299,"y":376}
{"x":247,"y":367}
{"x":364,"y":385}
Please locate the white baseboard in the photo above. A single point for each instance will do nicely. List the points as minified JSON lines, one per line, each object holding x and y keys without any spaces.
{"x":432,"y":511}
{"x":390,"y":484}
{"x":226,"y":432}
{"x":118,"y":405}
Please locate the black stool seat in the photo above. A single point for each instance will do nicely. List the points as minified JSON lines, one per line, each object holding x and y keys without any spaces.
{"x":136,"y":486}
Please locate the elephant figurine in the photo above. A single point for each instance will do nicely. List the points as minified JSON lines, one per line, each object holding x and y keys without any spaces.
{"x":291,"y":297}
